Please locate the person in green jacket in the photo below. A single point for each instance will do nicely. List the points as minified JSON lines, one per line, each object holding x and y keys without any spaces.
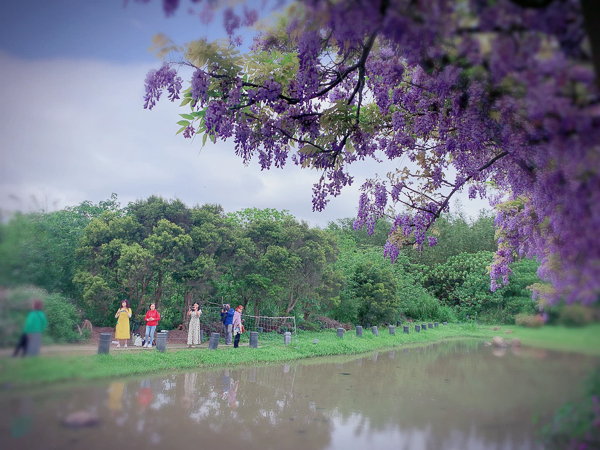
{"x":35,"y":323}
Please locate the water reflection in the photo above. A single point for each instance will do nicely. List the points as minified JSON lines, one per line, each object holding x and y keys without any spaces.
{"x":21,"y":416}
{"x":453,"y":395}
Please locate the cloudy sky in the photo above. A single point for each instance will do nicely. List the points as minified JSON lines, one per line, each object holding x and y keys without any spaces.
{"x":73,"y":128}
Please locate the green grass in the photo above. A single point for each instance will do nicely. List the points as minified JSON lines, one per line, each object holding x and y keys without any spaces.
{"x":50,"y":369}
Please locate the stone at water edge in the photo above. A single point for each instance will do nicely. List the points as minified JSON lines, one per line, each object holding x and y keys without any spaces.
{"x":508,"y":331}
{"x":496,"y":328}
{"x":80,"y":419}
{"x":315,"y":341}
{"x":499,"y":342}
{"x":515,"y":342}
{"x":487,"y":344}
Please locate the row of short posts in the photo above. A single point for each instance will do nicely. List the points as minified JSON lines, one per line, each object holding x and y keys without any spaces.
{"x":392,"y":329}
{"x":161,"y":338}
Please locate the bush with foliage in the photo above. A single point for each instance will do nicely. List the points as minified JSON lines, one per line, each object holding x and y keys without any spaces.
{"x":529,"y":321}
{"x":63,"y":318}
{"x":463,"y":282}
{"x":575,"y":315}
{"x":376,"y":290}
{"x":576,"y":425}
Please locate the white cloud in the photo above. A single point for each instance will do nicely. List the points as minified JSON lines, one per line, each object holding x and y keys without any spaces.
{"x":73,"y":130}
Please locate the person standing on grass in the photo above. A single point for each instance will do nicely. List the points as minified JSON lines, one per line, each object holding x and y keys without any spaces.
{"x":194,"y":314}
{"x":227,"y":318}
{"x":152,"y":318}
{"x":238,"y":328}
{"x":35,"y":323}
{"x":123,"y":315}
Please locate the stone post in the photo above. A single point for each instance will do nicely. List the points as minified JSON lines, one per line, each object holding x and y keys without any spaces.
{"x":34,"y":343}
{"x":254,"y":339}
{"x":406,"y":329}
{"x":104,"y":343}
{"x":340,"y":332}
{"x":430,"y":325}
{"x":260,"y":329}
{"x":287,"y":337}
{"x":213,"y":343}
{"x":424,"y":327}
{"x":359,"y":330}
{"x":392,"y":330}
{"x":436,"y":324}
{"x":375,"y":332}
{"x":417,"y":328}
{"x":444,"y":323}
{"x":161,"y":341}
{"x":201,"y":336}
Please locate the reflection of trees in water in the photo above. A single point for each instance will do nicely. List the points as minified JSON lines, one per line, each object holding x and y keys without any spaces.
{"x":465,"y":394}
{"x":449,"y":394}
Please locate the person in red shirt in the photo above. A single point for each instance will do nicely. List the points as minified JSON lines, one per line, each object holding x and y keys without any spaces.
{"x":152,"y":318}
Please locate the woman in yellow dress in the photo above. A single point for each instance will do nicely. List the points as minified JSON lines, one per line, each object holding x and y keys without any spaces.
{"x":122,"y":330}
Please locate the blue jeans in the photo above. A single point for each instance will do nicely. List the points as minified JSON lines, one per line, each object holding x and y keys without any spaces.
{"x":150,"y":331}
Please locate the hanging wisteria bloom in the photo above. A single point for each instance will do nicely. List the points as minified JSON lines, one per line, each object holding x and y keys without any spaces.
{"x":479,"y":96}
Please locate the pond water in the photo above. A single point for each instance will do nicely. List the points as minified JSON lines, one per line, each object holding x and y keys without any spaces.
{"x":452,"y":395}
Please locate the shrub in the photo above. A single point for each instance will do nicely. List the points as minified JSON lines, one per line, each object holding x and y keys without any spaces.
{"x":331,"y":323}
{"x":529,"y":321}
{"x":575,"y":316}
{"x":311,"y":326}
{"x":426,"y":307}
{"x":63,"y":317}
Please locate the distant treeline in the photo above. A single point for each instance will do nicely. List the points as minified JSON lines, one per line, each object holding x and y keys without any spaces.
{"x":162,"y":251}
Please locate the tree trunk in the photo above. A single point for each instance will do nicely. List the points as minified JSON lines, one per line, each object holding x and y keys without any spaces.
{"x":292,"y":302}
{"x":187,"y":301}
{"x":142,"y":297}
{"x":159,"y":286}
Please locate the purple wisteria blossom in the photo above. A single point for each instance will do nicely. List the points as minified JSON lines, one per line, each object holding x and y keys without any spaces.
{"x":157,"y":80}
{"x":487,"y":97}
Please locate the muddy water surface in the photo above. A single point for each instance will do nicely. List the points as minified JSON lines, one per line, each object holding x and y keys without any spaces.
{"x":454,"y":395}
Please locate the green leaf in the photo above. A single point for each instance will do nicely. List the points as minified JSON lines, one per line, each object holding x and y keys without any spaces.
{"x":183,"y":123}
{"x":187,"y":116}
{"x":180,"y":130}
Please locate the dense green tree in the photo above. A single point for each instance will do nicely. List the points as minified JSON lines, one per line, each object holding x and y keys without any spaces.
{"x":39,"y":248}
{"x":376,"y":292}
{"x":457,"y":233}
{"x":280,"y":262}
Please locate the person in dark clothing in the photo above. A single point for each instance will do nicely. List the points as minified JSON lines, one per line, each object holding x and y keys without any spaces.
{"x":35,"y":323}
{"x":238,"y":328}
{"x":227,"y":318}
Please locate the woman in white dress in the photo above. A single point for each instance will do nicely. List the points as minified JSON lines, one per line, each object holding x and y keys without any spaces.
{"x":194,"y":328}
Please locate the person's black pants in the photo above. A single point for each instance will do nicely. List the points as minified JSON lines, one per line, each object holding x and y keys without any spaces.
{"x":21,"y":345}
{"x":236,"y":341}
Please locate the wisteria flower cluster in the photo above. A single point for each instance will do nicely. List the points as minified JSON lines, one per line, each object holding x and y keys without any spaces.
{"x":466,"y":95}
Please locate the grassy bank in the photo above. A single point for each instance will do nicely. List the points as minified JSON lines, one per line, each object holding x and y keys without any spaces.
{"x":23,"y":372}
